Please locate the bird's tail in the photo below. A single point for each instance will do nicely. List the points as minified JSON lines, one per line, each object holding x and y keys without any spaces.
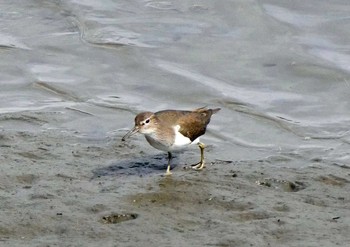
{"x":205,"y":109}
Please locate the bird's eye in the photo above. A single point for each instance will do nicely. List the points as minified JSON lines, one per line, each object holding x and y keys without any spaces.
{"x":147,"y":121}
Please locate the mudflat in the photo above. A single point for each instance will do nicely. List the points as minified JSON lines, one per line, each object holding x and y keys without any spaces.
{"x":74,"y":74}
{"x":58,"y":188}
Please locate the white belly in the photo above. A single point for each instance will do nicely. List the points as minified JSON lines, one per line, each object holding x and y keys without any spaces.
{"x":180,"y":142}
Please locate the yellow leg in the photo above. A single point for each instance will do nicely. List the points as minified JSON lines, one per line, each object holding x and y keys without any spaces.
{"x":168,"y":172}
{"x":200,"y":165}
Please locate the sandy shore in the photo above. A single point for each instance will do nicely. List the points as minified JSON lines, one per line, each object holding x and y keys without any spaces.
{"x":58,"y":188}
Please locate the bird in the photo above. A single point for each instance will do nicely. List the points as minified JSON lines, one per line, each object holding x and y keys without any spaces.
{"x":172,"y":130}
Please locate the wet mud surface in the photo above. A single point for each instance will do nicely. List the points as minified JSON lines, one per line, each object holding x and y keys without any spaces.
{"x":58,"y":189}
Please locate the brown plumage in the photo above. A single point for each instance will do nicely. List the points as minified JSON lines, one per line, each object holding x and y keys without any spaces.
{"x":194,"y":124}
{"x":160,"y":129}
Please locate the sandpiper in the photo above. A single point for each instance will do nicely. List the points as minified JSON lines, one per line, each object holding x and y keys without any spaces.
{"x":171,"y":130}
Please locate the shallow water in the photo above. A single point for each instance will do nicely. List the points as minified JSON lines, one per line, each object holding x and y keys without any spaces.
{"x":280,"y":71}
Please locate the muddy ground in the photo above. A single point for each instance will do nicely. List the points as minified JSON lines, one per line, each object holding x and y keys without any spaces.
{"x":60,"y":188}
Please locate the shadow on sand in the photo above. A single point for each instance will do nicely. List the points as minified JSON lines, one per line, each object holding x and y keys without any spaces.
{"x":147,"y":165}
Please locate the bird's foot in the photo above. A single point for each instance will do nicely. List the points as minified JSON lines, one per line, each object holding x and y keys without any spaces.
{"x":199,"y":166}
{"x":168,"y":172}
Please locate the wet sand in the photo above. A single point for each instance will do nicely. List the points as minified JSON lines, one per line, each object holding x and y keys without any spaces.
{"x":59,"y":188}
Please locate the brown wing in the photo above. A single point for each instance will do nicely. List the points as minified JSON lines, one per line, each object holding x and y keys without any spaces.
{"x":167,"y":119}
{"x":194,"y":124}
{"x":170,"y":117}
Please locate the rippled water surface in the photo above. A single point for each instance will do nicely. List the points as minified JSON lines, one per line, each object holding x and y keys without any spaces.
{"x":278,"y":69}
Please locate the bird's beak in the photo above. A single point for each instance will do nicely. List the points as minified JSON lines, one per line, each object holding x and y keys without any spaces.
{"x":131,"y":132}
